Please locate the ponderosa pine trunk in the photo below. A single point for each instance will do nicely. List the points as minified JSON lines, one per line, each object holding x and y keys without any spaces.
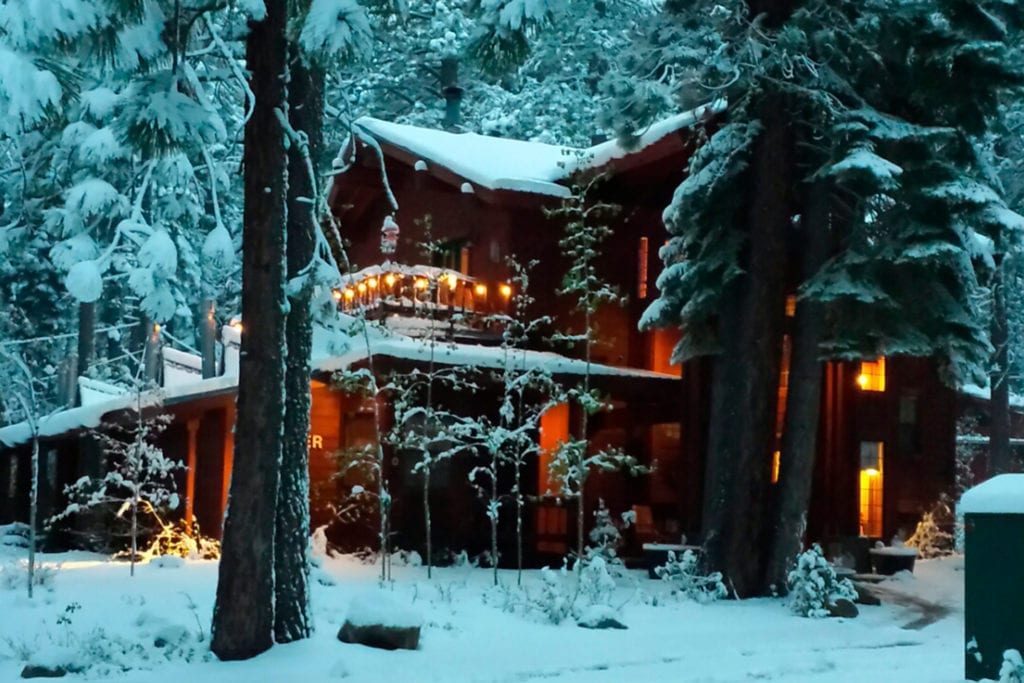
{"x":746,"y":371}
{"x":292,"y":618}
{"x":1000,"y":460}
{"x":803,"y":401}
{"x":243,"y":615}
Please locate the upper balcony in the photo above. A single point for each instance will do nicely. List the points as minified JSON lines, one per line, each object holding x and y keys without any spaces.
{"x":417,"y":299}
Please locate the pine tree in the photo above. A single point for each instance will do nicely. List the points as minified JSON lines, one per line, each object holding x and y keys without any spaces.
{"x":851,"y":101}
{"x":243,"y":617}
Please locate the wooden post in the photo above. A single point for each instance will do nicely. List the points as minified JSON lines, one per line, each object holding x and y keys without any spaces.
{"x":229,"y":460}
{"x":67,"y":387}
{"x":190,"y":474}
{"x":86,"y":343}
{"x":152,"y":353}
{"x":208,"y":338}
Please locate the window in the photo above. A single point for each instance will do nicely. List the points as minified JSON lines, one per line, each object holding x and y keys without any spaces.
{"x":453,"y":255}
{"x":872,"y":375}
{"x":776,"y":462}
{"x":871,"y":478}
{"x":908,"y":409}
{"x":791,"y":305}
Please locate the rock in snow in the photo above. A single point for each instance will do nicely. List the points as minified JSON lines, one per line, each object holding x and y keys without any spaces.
{"x":376,"y":620}
{"x":600,"y":617}
{"x":843,"y":608}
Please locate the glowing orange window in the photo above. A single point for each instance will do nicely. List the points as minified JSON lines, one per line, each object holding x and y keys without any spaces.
{"x":872,"y":375}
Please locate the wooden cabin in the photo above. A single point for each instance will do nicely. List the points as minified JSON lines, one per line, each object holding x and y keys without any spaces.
{"x":887,"y":439}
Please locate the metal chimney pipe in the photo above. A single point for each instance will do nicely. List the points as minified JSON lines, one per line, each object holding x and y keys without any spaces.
{"x":451,"y":92}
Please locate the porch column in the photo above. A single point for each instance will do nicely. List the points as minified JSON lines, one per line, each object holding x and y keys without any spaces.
{"x":190,"y":475}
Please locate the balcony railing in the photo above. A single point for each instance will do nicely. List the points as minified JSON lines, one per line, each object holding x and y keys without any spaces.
{"x":421,"y":291}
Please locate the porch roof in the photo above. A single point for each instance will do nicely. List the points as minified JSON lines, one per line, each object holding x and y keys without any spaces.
{"x":333,"y":350}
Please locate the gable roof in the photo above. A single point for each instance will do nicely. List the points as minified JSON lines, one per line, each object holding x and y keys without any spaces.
{"x":512,"y":165}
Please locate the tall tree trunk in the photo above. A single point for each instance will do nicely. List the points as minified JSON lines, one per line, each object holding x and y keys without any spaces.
{"x":803,"y":401}
{"x":243,"y":616}
{"x":1000,"y":460}
{"x":746,"y":372}
{"x":292,"y":618}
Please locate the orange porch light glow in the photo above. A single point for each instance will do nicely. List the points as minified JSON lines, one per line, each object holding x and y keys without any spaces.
{"x":350,"y":293}
{"x":336,"y":294}
{"x":506,"y":291}
{"x":361,"y":287}
{"x":372,"y":283}
{"x":452,"y":280}
{"x":389,"y":279}
{"x":421,"y":283}
{"x":480,"y":290}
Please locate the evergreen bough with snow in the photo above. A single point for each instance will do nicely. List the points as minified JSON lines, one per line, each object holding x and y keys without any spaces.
{"x":814,"y":587}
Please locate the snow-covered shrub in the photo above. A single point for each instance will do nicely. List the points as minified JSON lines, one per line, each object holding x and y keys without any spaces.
{"x":930,"y":539}
{"x":687,"y":580}
{"x":596,"y":584}
{"x":14,"y":575}
{"x":605,"y":538}
{"x":813,"y":585}
{"x":175,"y":539}
{"x":1012,"y":670}
{"x":556,"y":595}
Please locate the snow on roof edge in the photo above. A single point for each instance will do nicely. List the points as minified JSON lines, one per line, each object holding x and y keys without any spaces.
{"x":407,"y":348}
{"x":985,"y":394}
{"x":517,"y":165}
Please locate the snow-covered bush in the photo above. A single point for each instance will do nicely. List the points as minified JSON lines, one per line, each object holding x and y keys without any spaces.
{"x":556,"y":596}
{"x":175,"y":539}
{"x":14,"y":575}
{"x":1012,"y":670}
{"x":813,"y":585}
{"x":605,"y":538}
{"x":687,"y":581}
{"x":930,"y":539}
{"x":596,"y":584}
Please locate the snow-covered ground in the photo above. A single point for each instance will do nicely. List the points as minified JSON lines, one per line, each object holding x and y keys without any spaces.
{"x":92,"y":606}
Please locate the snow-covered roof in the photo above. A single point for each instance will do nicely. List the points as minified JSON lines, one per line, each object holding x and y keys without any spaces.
{"x":91,"y":414}
{"x":998,"y":495}
{"x":491,"y":357}
{"x":985,"y":394}
{"x":333,"y":350}
{"x":517,"y":165}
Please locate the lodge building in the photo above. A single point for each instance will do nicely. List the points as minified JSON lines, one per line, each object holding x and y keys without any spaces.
{"x":887,"y":433}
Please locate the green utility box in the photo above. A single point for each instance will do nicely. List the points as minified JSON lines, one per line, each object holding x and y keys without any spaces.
{"x":994,"y":573}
